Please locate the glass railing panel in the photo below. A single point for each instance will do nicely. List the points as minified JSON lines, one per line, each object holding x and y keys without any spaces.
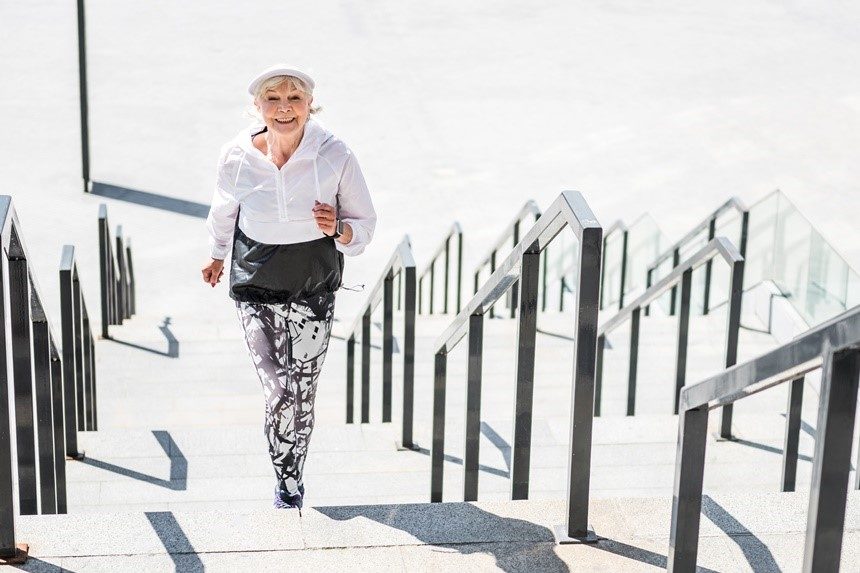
{"x":612,"y":257}
{"x":645,"y":242}
{"x":785,"y":248}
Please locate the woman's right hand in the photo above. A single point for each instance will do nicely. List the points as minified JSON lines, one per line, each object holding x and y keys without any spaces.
{"x":212,"y":272}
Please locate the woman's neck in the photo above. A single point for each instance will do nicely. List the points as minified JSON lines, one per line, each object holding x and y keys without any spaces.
{"x":280,"y":149}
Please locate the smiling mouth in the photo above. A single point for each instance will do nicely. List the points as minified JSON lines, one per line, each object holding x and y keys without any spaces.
{"x":285,"y":121}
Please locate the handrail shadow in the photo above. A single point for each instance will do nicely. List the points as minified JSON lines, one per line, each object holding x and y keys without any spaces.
{"x":172,"y":342}
{"x":154,"y":200}
{"x":178,"y":480}
{"x":176,"y":543}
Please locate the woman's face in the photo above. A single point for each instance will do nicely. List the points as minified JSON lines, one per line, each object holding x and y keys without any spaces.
{"x":285,"y":109}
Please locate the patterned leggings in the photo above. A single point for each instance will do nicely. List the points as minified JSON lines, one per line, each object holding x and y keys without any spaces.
{"x":287,"y":344}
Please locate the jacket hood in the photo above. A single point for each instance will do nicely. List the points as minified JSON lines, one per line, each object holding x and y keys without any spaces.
{"x":314,"y":137}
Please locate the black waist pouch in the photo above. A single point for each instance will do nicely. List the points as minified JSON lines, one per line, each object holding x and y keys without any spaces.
{"x":309,"y":272}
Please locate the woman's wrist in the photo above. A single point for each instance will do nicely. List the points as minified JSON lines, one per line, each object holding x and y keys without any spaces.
{"x":346,"y":236}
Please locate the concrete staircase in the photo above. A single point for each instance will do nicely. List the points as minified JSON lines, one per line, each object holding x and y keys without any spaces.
{"x":178,"y":476}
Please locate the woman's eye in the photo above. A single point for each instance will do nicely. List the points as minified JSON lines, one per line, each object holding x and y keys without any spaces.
{"x":295,"y":98}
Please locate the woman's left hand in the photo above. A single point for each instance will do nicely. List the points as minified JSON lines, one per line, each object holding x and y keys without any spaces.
{"x":325,"y":217}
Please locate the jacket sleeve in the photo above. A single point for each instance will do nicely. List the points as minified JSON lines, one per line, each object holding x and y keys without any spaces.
{"x":355,"y":208}
{"x":222,"y":212}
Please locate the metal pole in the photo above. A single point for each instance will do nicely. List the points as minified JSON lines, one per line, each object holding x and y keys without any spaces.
{"x":623,"y":269}
{"x":104,"y":268}
{"x":59,"y":456}
{"x":706,"y":298}
{"x":409,"y":360}
{"x":19,"y":299}
{"x":792,"y":434}
{"x":516,"y":286}
{"x":67,"y":323}
{"x":831,"y":460}
{"x":365,"y":367}
{"x":492,"y":270}
{"x":648,"y":281}
{"x":473,"y":408}
{"x":583,"y":392}
{"x":447,"y":275}
{"x":459,"y":270}
{"x":90,"y":376}
{"x":78,"y":347}
{"x":437,"y":452}
{"x":683,"y":336}
{"x":676,"y":259}
{"x":84,"y":99}
{"x":387,"y":344}
{"x":8,"y":463}
{"x":44,"y":417}
{"x":432,"y":283}
{"x":525,"y":373}
{"x":687,"y":499}
{"x":733,"y":328}
{"x":634,"y":362}
{"x":350,"y":378}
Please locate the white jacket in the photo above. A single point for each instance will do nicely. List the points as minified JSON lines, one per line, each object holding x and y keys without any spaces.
{"x":276,"y":203}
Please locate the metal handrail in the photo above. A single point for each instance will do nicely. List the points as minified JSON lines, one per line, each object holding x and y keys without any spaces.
{"x":79,"y":372}
{"x":523,"y":264}
{"x":674,"y":251}
{"x":117,"y":277}
{"x":511,"y":232}
{"x":401,"y":261}
{"x":682,"y":273}
{"x":835,"y":348}
{"x":444,"y":248}
{"x":32,"y":356}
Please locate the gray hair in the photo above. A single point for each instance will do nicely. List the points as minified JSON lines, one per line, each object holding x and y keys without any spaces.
{"x":275,"y":81}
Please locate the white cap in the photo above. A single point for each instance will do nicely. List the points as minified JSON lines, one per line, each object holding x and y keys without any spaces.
{"x":279,"y":70}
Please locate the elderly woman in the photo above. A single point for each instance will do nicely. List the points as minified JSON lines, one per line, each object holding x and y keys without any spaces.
{"x":292,"y":197}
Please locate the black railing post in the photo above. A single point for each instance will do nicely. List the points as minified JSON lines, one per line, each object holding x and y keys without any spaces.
{"x":365,"y":367}
{"x":459,"y":270}
{"x":683,"y":335}
{"x":387,"y":345}
{"x":90,"y":373}
{"x":598,"y":374}
{"x":84,"y":98}
{"x":516,"y":286}
{"x":792,"y":434}
{"x":67,"y":329}
{"x":603,"y":275}
{"x":122,"y":290}
{"x":623,"y":269}
{"x":525,"y":371}
{"x":350,"y":378}
{"x":105,"y":265}
{"x":447,"y":275}
{"x":80,"y":384}
{"x":19,"y":299}
{"x":634,"y":362}
{"x":8,"y":463}
{"x":473,"y":407}
{"x":648,"y":281}
{"x":706,"y":297}
{"x":733,"y":327}
{"x":687,"y":499}
{"x":420,"y":294}
{"x":492,"y":270}
{"x":584,"y":387}
{"x":561,"y":289}
{"x":543,"y":280}
{"x":432,"y":283}
{"x":132,"y":296}
{"x":59,"y":453}
{"x":44,"y":417}
{"x":676,"y":259}
{"x":831,"y":460}
{"x":409,"y":360}
{"x":437,"y":452}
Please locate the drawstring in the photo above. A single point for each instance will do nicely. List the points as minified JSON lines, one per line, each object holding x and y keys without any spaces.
{"x":353,"y":288}
{"x":317,"y":180}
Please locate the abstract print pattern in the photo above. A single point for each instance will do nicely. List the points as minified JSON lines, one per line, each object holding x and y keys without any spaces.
{"x":287,"y":344}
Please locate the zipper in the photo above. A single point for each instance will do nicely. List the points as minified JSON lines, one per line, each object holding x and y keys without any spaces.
{"x":282,"y":207}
